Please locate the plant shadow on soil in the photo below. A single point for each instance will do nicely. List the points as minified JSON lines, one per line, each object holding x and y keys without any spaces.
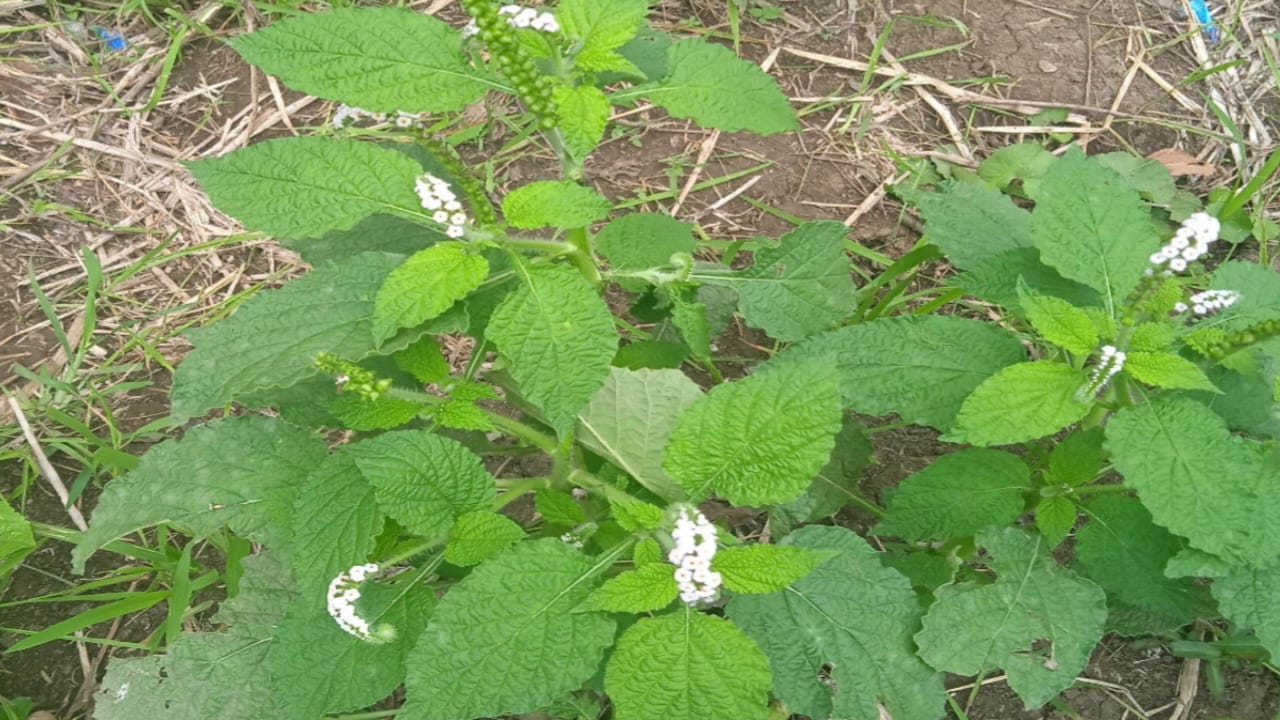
{"x":1072,"y":53}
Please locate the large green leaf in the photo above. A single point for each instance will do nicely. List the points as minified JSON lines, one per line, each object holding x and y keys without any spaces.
{"x":1122,"y":550}
{"x":335,"y":522}
{"x":996,"y":279}
{"x":317,"y":668}
{"x":554,"y":203}
{"x":643,"y":240}
{"x":208,"y":675}
{"x":583,"y":114}
{"x":383,"y":59}
{"x":1167,"y":370}
{"x":273,"y":338}
{"x":761,"y":569}
{"x":648,"y":588}
{"x":973,"y":223}
{"x":851,"y":617}
{"x":423,"y":480}
{"x":1247,"y":598}
{"x":1021,"y":402}
{"x":835,"y":486}
{"x":630,"y":419}
{"x":1197,"y":479}
{"x":799,"y":286}
{"x":687,"y":666}
{"x":717,"y":89}
{"x":1038,"y":621}
{"x":958,"y":495}
{"x":426,"y":285}
{"x":1259,"y":289}
{"x":381,"y":233}
{"x":1059,"y":322}
{"x":479,"y":535}
{"x":759,"y":440}
{"x":240,"y":473}
{"x":1093,"y":227}
{"x":306,"y":186}
{"x":921,"y":367}
{"x":560,"y":338}
{"x":503,"y":641}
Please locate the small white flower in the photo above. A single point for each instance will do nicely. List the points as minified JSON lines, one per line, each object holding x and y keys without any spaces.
{"x":1178,"y":265}
{"x":1180,"y":308}
{"x":455,"y":231}
{"x":1188,"y":244}
{"x":695,"y":546}
{"x":344,"y":591}
{"x":441,"y":216}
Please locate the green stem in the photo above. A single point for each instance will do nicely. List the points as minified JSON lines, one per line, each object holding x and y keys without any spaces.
{"x":516,"y":487}
{"x":508,"y":425}
{"x":546,"y":247}
{"x":412,"y":551}
{"x":1099,"y":489}
{"x":583,"y":255}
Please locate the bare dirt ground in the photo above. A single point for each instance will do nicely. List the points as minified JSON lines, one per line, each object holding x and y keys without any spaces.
{"x":90,"y":155}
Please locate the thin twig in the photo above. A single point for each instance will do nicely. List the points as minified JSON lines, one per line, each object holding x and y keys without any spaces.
{"x":46,"y":468}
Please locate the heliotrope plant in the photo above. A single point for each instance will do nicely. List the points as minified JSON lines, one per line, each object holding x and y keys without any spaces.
{"x":389,"y":554}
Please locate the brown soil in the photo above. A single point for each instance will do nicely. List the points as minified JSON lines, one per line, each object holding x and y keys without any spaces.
{"x":1077,"y":54}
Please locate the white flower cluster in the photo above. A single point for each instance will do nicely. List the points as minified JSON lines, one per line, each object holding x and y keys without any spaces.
{"x":345,"y":114}
{"x":521,"y":17}
{"x":1191,"y":241}
{"x":344,"y":591}
{"x":1210,"y":301}
{"x":572,"y":540}
{"x":439,"y":198}
{"x":695,"y":546}
{"x":1112,"y":362}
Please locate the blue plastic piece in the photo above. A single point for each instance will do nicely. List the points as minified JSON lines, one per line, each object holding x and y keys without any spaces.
{"x":113,"y":39}
{"x":1205,"y":18}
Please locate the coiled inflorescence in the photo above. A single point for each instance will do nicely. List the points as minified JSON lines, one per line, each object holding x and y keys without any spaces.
{"x":519,"y":17}
{"x":1188,"y":244}
{"x":534,"y":89}
{"x":438,"y":197}
{"x":344,"y":591}
{"x":1110,"y":363}
{"x":346,"y":113}
{"x":1210,"y":301}
{"x":695,"y":545}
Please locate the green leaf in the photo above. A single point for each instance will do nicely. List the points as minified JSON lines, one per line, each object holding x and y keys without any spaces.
{"x":1038,"y":621}
{"x":461,"y":410}
{"x":560,"y":338}
{"x":643,"y":240}
{"x":648,"y":552}
{"x":635,"y":515}
{"x":503,"y":641}
{"x":273,"y":338}
{"x":422,"y":480}
{"x":1059,"y":322}
{"x":479,"y":535}
{"x":1021,"y":402}
{"x":1259,"y":289}
{"x":852,"y":618}
{"x":554,"y":203}
{"x":1123,"y":551}
{"x":758,"y":440}
{"x":602,"y":27}
{"x":687,"y":665}
{"x":648,"y":588}
{"x":1093,"y":227}
{"x":958,"y":495}
{"x":1164,"y":369}
{"x":629,"y":421}
{"x":800,"y":286}
{"x":582,"y":113}
{"x":717,"y":89}
{"x":208,"y":675}
{"x":761,"y":569}
{"x":427,"y":284}
{"x":835,"y":486}
{"x":559,"y":508}
{"x":1027,"y":161}
{"x":1076,"y":460}
{"x":996,"y":280}
{"x":15,"y":531}
{"x":1247,"y":598}
{"x":1149,"y":177}
{"x":383,"y":59}
{"x":1055,"y":518}
{"x":304,"y":187}
{"x":920,"y":367}
{"x":363,"y":414}
{"x":1152,"y":337}
{"x":424,"y":361}
{"x":380,"y":233}
{"x":1246,"y":401}
{"x":240,"y":473}
{"x":335,"y":523}
{"x":1197,"y":479}
{"x":973,"y":223}
{"x":317,"y":668}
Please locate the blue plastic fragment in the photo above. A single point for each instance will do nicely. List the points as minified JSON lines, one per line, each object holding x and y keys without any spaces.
{"x":113,"y":39}
{"x":1205,"y":18}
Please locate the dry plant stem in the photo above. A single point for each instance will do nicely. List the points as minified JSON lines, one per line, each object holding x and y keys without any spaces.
{"x":46,"y":468}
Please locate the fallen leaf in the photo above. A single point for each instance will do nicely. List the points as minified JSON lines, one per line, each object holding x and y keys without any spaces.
{"x":1181,"y":163}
